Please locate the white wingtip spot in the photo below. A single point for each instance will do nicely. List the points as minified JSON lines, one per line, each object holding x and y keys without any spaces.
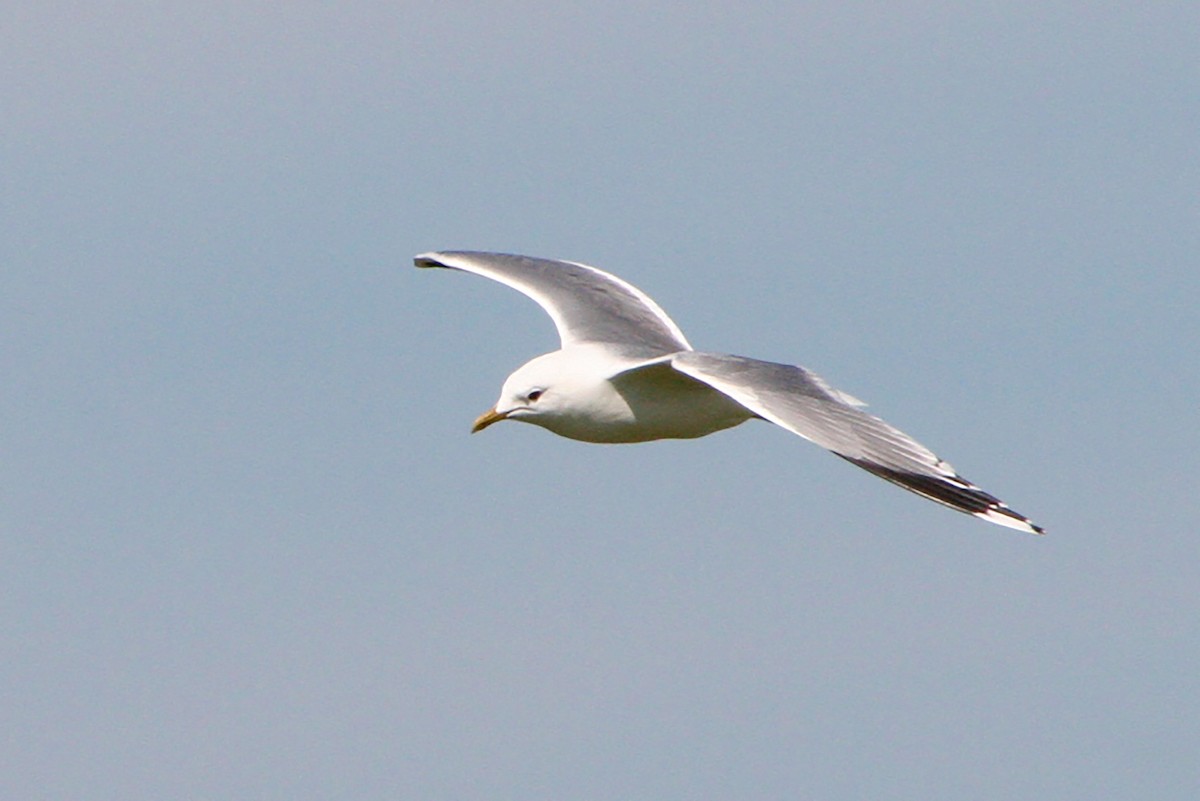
{"x":1010,"y":519}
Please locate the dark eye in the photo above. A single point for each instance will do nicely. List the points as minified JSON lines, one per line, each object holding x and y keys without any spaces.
{"x":534,"y":395}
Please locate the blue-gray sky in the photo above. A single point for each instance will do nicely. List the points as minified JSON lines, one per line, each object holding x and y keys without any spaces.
{"x":248,"y":549}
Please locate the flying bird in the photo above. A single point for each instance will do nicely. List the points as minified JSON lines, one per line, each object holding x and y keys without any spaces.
{"x":626,"y":373}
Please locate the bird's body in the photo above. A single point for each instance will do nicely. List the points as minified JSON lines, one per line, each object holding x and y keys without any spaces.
{"x":595,"y":400}
{"x":625,"y":373}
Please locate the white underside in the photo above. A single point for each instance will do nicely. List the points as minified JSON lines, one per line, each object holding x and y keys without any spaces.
{"x":643,"y":405}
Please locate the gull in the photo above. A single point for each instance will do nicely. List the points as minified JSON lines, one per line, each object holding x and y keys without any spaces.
{"x":626,"y":373}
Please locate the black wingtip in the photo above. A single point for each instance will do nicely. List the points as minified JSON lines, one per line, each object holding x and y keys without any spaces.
{"x":427,"y":260}
{"x":955,"y":492}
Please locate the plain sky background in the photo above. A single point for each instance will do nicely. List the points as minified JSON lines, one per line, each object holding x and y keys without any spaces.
{"x":248,"y":549}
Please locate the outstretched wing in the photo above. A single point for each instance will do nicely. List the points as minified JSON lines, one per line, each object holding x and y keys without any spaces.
{"x":586,"y":304}
{"x":804,"y":404}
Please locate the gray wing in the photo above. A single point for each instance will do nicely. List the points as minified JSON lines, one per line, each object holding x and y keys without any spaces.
{"x":586,"y":304}
{"x":804,"y":404}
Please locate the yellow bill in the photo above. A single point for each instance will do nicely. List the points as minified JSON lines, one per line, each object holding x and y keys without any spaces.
{"x":486,"y":419}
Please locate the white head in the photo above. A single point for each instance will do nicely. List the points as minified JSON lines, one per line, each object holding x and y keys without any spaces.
{"x":558,"y":391}
{"x":533,"y":391}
